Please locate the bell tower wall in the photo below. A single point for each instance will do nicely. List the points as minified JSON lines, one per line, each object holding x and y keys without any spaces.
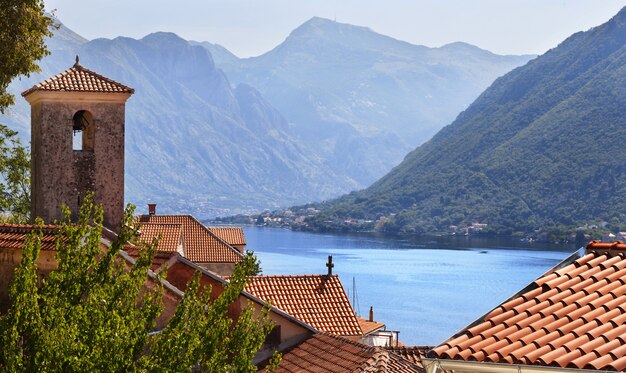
{"x":63,"y":174}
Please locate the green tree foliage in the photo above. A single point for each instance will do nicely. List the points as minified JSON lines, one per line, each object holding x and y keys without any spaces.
{"x":15,"y":180}
{"x":23,"y":30}
{"x":96,"y":314}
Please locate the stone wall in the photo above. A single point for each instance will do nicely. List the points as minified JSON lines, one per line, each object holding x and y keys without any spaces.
{"x":61,"y":175}
{"x":9,"y":260}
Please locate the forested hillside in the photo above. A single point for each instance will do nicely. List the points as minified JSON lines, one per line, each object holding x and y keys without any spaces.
{"x":543,"y":146}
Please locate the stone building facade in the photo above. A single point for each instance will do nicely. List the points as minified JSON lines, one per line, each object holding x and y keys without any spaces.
{"x":77,"y":143}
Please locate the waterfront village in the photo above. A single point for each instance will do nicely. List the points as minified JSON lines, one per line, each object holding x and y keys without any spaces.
{"x":298,"y":219}
{"x":570,"y":319}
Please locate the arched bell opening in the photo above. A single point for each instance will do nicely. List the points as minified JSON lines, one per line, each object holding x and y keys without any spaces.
{"x":83,"y":131}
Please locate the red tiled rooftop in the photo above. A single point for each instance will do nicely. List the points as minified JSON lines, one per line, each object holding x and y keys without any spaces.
{"x":318,"y":300}
{"x":326,"y":353}
{"x":571,"y":317}
{"x":79,"y":79}
{"x":12,"y":236}
{"x":200,"y":245}
{"x":169,"y":235}
{"x":158,"y":260}
{"x":369,"y":326}
{"x":230,"y":235}
{"x":413,"y":354}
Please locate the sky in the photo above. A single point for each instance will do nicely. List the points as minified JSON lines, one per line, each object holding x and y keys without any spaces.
{"x":253,"y":27}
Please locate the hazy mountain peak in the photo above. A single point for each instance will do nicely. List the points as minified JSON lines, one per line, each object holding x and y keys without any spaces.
{"x":463,"y":46}
{"x":164,"y":38}
{"x":323,"y":27}
{"x":320,"y":22}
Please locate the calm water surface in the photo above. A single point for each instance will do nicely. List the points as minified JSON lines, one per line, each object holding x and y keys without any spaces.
{"x":427,"y":288}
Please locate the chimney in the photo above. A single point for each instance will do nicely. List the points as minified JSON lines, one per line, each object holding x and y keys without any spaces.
{"x":330,"y":265}
{"x":371,"y":313}
{"x":151,"y":208}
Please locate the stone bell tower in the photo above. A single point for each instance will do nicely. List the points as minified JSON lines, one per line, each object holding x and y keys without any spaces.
{"x":77,"y":143}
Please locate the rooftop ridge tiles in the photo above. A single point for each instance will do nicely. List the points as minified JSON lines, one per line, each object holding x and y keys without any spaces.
{"x":605,"y":246}
{"x":11,"y":226}
{"x":154,"y":223}
{"x":295,"y":276}
{"x":77,"y":68}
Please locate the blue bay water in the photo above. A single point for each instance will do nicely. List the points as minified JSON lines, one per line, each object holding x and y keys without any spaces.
{"x":426,"y":288}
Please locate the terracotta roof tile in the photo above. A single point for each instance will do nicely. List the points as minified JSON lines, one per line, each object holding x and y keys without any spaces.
{"x":12,"y":236}
{"x":318,"y":300}
{"x":200,"y":245}
{"x":230,"y":235}
{"x":169,"y":235}
{"x":326,"y":353}
{"x":573,"y":317}
{"x":79,"y":79}
{"x":158,"y":260}
{"x":369,"y":326}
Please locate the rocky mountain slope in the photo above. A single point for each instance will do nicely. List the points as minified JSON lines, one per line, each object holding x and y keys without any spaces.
{"x":201,"y":141}
{"x":543,"y":146}
{"x":194,"y":142}
{"x":362,"y":99}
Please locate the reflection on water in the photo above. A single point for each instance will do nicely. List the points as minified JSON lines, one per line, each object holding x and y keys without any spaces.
{"x":428,"y":288}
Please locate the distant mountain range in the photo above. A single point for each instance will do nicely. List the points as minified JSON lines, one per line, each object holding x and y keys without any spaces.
{"x":361,"y":99}
{"x":543,"y":146}
{"x":324,"y":113}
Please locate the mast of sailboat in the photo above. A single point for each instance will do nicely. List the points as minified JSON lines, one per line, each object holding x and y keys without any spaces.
{"x":355,"y":298}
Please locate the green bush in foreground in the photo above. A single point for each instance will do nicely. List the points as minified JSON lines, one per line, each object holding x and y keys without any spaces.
{"x":94,"y":314}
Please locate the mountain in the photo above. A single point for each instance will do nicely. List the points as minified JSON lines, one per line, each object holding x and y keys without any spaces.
{"x":543,"y":146}
{"x":345,"y":106}
{"x":194,"y":142}
{"x":361,"y":99}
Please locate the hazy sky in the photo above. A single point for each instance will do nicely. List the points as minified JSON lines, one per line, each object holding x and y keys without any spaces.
{"x":252,"y":27}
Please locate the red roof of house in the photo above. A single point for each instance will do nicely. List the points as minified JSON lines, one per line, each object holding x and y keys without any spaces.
{"x":231,"y":235}
{"x":12,"y":236}
{"x":413,"y":354}
{"x":169,"y":235}
{"x":318,"y":300}
{"x":159,"y":259}
{"x":79,"y":79}
{"x":326,"y":353}
{"x":369,"y":326}
{"x":200,"y":245}
{"x":572,"y":317}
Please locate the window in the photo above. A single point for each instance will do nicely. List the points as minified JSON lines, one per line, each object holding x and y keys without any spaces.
{"x":83,"y":131}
